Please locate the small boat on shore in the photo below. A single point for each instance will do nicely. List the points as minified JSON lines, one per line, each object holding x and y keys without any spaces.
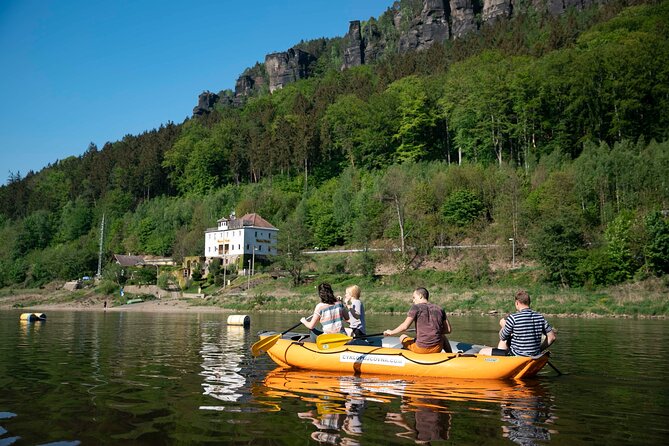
{"x":384,"y":355}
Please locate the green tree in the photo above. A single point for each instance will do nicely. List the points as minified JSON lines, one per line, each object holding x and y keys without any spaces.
{"x":75,"y":220}
{"x":326,"y":230}
{"x":393,"y":190}
{"x":367,"y":224}
{"x":196,"y":161}
{"x":461,"y":208}
{"x":557,"y":245}
{"x":36,"y":232}
{"x":656,"y":248}
{"x":417,"y":119}
{"x":343,"y":129}
{"x":294,"y":238}
{"x":623,"y":246}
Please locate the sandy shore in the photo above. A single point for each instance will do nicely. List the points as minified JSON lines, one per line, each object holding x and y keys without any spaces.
{"x":41,"y":303}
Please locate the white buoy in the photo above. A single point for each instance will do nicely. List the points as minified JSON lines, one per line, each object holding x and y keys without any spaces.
{"x":32,"y":317}
{"x":239,"y":319}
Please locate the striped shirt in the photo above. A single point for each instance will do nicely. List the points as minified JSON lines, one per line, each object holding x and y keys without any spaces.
{"x":331,"y":317}
{"x":525,"y":328}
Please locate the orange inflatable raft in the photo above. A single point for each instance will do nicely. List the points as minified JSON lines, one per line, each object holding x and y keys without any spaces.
{"x":381,"y":356}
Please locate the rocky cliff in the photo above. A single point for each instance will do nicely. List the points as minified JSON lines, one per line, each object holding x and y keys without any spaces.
{"x":429,"y":27}
{"x":354,"y":47}
{"x":287,"y":67}
{"x":436,"y":22}
{"x":205,"y":103}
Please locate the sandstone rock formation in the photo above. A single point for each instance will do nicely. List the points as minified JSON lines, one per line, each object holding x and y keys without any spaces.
{"x":205,"y":103}
{"x":353,"y":46}
{"x":374,"y":42}
{"x":245,"y":85}
{"x":462,"y":17}
{"x":493,"y":9}
{"x":286,"y":67}
{"x":437,"y":21}
{"x":430,"y":27}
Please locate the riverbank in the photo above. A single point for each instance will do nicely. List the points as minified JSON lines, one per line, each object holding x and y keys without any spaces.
{"x":33,"y":300}
{"x":646,"y":299}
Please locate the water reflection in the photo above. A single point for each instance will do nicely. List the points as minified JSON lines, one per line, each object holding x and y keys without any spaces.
{"x":417,"y":409}
{"x":221,"y":363}
{"x":525,"y":420}
{"x":330,"y":419}
{"x":422,"y":420}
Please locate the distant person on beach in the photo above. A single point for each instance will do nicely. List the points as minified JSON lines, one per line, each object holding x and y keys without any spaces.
{"x":330,"y":312}
{"x":356,"y":311}
{"x":105,"y":305}
{"x":432,"y":325}
{"x":521,"y":332}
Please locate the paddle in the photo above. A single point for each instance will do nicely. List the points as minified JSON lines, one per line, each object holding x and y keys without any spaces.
{"x":263,"y":345}
{"x":555,"y":368}
{"x":334,"y":340}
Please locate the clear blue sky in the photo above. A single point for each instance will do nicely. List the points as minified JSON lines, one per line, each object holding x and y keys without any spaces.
{"x":75,"y":71}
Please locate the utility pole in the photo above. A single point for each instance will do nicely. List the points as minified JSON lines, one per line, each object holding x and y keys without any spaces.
{"x":224,"y":268}
{"x":253,"y":263}
{"x":513,"y":252}
{"x":102,"y":238}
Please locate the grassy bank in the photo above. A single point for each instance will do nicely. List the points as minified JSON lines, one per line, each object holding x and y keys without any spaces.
{"x":391,"y":294}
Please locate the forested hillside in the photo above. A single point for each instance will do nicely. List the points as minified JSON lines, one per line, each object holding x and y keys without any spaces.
{"x":549,"y":130}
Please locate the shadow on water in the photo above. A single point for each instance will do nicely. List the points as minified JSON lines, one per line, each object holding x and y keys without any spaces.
{"x":417,"y":409}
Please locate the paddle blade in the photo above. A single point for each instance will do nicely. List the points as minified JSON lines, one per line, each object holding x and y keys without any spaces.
{"x":263,"y":345}
{"x":331,"y":340}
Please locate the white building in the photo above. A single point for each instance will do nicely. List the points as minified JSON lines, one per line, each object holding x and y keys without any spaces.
{"x":238,"y":240}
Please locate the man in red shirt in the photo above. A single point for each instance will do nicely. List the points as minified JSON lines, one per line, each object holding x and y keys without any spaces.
{"x":432,"y":325}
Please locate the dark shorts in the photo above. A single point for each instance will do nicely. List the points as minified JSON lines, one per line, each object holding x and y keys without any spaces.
{"x":501,"y":352}
{"x":356,"y":332}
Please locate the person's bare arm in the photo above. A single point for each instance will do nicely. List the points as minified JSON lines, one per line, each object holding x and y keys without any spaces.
{"x":447,"y":327}
{"x":347,"y":315}
{"x":310,"y":324}
{"x":550,"y":338}
{"x":400,"y":328}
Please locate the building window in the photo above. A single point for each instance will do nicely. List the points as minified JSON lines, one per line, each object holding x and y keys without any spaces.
{"x":259,"y":247}
{"x":247,"y":247}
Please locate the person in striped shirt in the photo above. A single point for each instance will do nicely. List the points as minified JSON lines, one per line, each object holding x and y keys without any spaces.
{"x":330,"y":312}
{"x":522,"y":331}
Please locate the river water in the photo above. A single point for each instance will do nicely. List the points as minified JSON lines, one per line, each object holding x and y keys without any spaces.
{"x":96,"y":378}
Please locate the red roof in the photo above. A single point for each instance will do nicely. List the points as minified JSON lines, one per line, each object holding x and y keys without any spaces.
{"x":257,"y":221}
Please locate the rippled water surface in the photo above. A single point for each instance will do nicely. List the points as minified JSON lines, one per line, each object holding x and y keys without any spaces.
{"x":150,"y":379}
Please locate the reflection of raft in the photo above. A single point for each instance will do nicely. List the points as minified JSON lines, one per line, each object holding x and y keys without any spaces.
{"x":33,"y":317}
{"x":306,"y":384}
{"x":294,"y":351}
